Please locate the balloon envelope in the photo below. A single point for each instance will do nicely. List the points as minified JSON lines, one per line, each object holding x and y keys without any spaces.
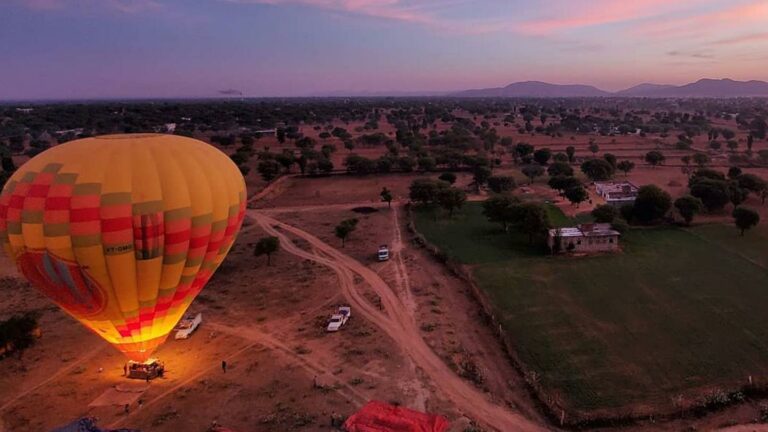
{"x":123,"y":231}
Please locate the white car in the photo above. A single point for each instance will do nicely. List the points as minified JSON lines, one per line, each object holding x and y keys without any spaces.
{"x":339,"y":319}
{"x":383,"y":253}
{"x":188,"y":325}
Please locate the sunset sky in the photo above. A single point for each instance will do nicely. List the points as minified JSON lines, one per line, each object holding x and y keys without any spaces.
{"x":194,"y":48}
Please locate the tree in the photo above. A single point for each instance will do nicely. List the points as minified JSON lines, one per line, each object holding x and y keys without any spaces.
{"x":359,"y":165}
{"x":571,"y":152}
{"x":559,"y":168}
{"x":576,"y":195}
{"x":745,"y":218}
{"x":532,"y":171}
{"x":611,"y":159}
{"x":750,"y":142}
{"x":500,"y":208}
{"x":386,"y":196}
{"x":715,"y":194}
{"x":560,"y":157}
{"x":655,"y":158}
{"x":625,"y":166}
{"x":286,"y":159}
{"x":737,"y":194}
{"x":266,"y":246}
{"x":688,"y":206}
{"x":269,"y":169}
{"x":531,"y":218}
{"x":651,"y":204}
{"x":424,"y":191}
{"x":480,"y":175}
{"x":522,"y":150}
{"x":752,"y":183}
{"x":448,"y":177}
{"x":562,"y":183}
{"x":542,"y":156}
{"x":426,"y":164}
{"x":734,"y":172}
{"x":324,"y":165}
{"x":451,"y":198}
{"x":344,"y":229}
{"x":597,"y":169}
{"x":594,"y":148}
{"x":701,"y":159}
{"x":605,"y":213}
{"x":18,"y":332}
{"x":501,"y":184}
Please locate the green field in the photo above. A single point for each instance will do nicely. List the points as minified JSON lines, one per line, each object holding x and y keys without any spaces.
{"x":675,"y":312}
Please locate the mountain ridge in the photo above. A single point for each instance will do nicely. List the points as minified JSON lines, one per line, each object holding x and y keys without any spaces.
{"x":703,"y":88}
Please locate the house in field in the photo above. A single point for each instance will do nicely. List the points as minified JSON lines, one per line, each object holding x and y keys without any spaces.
{"x":617,"y":194}
{"x":584,"y":238}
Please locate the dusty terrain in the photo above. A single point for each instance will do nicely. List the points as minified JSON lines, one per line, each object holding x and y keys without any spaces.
{"x":416,"y":338}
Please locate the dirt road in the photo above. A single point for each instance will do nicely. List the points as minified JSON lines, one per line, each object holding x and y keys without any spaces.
{"x":395,"y":320}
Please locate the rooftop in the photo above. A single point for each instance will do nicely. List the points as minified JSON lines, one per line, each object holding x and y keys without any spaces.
{"x":585,"y":230}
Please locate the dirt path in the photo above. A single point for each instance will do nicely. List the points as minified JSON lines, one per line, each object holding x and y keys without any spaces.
{"x":306,"y":363}
{"x":178,"y":386}
{"x":398,"y":323}
{"x":58,"y":374}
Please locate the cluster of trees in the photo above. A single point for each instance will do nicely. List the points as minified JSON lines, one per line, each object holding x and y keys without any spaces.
{"x":529,"y":218}
{"x":430,"y":192}
{"x":715,"y":190}
{"x":309,"y":160}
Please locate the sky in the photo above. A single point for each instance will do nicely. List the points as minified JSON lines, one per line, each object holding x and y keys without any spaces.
{"x":79,"y":49}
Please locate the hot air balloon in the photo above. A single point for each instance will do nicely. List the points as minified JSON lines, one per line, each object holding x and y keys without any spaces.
{"x":123,"y":231}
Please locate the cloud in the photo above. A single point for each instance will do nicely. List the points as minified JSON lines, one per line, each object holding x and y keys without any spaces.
{"x":754,"y":11}
{"x":691,"y":54}
{"x":126,"y":6}
{"x":752,"y":37}
{"x":389,"y":9}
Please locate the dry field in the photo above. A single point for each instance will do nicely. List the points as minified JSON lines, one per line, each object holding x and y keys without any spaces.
{"x":417,"y":337}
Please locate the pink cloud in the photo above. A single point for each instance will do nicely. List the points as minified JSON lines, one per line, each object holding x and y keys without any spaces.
{"x":599,"y":12}
{"x":734,"y":17}
{"x":389,"y":9}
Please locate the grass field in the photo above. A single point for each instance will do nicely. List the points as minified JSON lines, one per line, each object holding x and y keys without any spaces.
{"x":676,"y":312}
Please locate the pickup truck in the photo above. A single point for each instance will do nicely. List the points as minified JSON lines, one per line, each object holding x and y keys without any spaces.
{"x":187,"y":326}
{"x":339,"y":319}
{"x":383,"y":254}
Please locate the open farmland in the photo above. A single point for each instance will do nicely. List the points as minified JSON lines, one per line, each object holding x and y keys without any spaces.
{"x":675,"y":316}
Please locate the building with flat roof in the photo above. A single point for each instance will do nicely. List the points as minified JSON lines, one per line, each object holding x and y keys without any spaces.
{"x":617,"y":194}
{"x":584,"y":238}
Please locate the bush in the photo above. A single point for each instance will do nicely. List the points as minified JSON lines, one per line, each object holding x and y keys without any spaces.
{"x":17,"y":333}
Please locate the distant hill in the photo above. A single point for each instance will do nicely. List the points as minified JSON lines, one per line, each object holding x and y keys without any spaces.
{"x":644,"y":89}
{"x":536,"y":89}
{"x":722,"y":88}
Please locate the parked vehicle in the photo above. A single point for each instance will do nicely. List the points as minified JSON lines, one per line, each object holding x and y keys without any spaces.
{"x":339,"y":319}
{"x":188,"y":325}
{"x":383,"y":253}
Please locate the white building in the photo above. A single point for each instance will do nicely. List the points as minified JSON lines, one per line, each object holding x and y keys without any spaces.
{"x":617,"y":194}
{"x":585,"y":238}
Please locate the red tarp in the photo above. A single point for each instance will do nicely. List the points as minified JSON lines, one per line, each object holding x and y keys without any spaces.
{"x":382,"y":417}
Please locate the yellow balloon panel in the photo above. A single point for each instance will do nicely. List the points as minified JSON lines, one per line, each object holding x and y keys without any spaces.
{"x":123,"y":231}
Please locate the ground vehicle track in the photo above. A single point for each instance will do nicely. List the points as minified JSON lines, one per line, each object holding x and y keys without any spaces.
{"x":398,"y":324}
